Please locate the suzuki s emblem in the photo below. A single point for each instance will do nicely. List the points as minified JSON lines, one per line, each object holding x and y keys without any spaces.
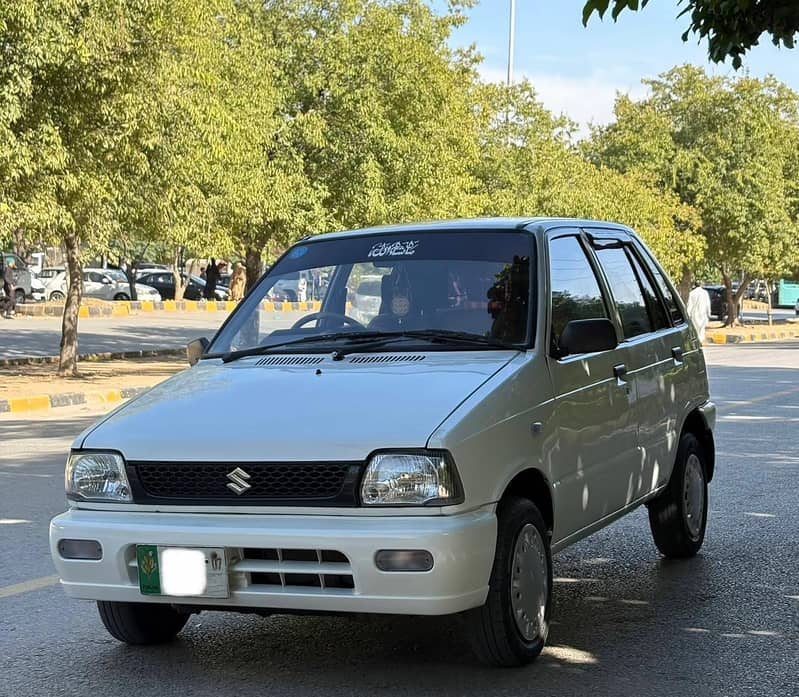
{"x":238,"y":481}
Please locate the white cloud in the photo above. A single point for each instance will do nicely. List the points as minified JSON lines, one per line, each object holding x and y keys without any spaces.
{"x":585,"y":99}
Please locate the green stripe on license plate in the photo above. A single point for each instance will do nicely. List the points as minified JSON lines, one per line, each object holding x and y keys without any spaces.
{"x":149,"y":574}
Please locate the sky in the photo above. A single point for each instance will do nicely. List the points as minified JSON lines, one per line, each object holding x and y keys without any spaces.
{"x":578,"y":70}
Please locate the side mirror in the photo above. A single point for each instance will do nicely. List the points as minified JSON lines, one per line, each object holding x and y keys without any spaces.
{"x":587,"y":336}
{"x":107,"y":281}
{"x":195,"y":349}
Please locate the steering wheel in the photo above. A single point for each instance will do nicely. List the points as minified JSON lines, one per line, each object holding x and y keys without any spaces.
{"x":349,"y":321}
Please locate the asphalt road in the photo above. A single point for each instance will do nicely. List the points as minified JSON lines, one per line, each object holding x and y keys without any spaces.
{"x":148,"y":331}
{"x":725,"y":623}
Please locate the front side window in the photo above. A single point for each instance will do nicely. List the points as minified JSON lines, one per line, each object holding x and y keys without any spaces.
{"x":469,"y":284}
{"x":575,"y":292}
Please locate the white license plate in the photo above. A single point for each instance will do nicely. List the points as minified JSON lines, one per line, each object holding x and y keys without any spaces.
{"x":183,"y":571}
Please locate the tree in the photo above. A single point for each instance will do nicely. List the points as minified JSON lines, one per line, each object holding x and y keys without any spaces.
{"x":731,"y":28}
{"x":725,"y":147}
{"x":527,"y":167}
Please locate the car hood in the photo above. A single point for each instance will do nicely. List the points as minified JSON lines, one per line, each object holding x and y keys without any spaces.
{"x":335,"y":410}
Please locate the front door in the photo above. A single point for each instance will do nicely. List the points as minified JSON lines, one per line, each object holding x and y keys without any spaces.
{"x":596,"y":444}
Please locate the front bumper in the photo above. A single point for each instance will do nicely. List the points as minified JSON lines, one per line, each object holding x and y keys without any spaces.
{"x":462,"y":547}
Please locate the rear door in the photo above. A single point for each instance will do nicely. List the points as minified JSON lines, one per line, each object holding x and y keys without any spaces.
{"x":597,"y":443}
{"x":650,"y":351}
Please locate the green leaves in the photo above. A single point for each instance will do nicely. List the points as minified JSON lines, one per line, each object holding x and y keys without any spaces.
{"x":731,"y":27}
{"x":725,"y":147}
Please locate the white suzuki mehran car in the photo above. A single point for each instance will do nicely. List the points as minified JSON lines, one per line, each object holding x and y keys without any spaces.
{"x":521,"y":384}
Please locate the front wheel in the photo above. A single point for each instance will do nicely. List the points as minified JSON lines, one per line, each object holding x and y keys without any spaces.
{"x":141,"y":623}
{"x":678,"y":517}
{"x":511,"y":628}
{"x":120,"y":296}
{"x":56,"y":296}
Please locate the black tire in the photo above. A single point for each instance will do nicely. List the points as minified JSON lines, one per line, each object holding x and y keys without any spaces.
{"x":141,"y":623}
{"x":56,"y":296}
{"x":121,"y":296}
{"x":495,"y":637}
{"x":19,"y":295}
{"x":677,"y":531}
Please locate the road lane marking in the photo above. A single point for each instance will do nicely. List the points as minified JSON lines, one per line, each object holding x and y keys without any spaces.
{"x":27,"y":586}
{"x":13,"y":521}
{"x":755,"y":400}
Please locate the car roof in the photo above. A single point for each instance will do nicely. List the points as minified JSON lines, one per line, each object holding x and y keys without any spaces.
{"x":529,"y":224}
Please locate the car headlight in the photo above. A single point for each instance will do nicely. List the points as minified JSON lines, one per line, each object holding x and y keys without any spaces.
{"x":97,"y":476}
{"x":411,"y":479}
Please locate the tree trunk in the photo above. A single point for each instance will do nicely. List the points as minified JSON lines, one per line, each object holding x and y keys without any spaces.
{"x":68,"y":358}
{"x":733,"y":299}
{"x":130,"y":273}
{"x":177,"y":267}
{"x":252,"y":261}
{"x":684,"y":286}
{"x":768,"y":302}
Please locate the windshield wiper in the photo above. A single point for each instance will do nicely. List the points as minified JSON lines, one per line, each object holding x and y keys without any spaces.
{"x":332,"y":336}
{"x":436,"y":336}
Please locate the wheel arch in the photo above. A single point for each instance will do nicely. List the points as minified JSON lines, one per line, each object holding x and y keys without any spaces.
{"x":695,"y":423}
{"x":531,"y":484}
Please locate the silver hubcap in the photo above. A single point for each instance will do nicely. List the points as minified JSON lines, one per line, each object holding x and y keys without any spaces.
{"x":529,"y":584}
{"x":694,"y":495}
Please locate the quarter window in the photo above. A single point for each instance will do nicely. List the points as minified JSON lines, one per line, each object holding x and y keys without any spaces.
{"x":575,"y":289}
{"x":672,"y":306}
{"x":657,"y":312}
{"x":626,"y":290}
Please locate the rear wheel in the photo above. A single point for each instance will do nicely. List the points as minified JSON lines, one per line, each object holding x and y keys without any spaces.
{"x":512,"y":627}
{"x":121,"y":296}
{"x":19,"y":295}
{"x":678,"y":517}
{"x":141,"y":623}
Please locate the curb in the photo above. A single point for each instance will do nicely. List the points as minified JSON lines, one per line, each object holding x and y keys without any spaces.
{"x":41,"y":402}
{"x":749,"y":337}
{"x":102,"y":356}
{"x":125,"y":308}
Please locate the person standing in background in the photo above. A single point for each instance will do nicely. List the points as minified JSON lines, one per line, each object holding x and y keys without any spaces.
{"x":7,"y":277}
{"x":699,"y":309}
{"x":211,"y":279}
{"x":237,"y":282}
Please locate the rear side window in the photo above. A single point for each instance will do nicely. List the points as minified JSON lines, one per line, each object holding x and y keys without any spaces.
{"x":626,"y":291}
{"x":574,"y":286}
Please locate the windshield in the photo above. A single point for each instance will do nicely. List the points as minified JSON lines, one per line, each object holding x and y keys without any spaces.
{"x":473,"y":283}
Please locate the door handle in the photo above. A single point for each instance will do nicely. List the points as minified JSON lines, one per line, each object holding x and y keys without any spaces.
{"x":676,"y":354}
{"x":620,"y":373}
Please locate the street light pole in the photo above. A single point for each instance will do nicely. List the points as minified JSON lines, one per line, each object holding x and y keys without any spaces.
{"x":511,"y":38}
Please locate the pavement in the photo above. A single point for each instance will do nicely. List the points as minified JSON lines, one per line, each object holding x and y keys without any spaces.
{"x":626,"y":622}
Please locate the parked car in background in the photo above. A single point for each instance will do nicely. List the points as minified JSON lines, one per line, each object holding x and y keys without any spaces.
{"x":38,"y":292}
{"x":164,"y":283}
{"x":143,"y":291}
{"x":718,"y":301}
{"x":103,"y":284}
{"x":22,"y":277}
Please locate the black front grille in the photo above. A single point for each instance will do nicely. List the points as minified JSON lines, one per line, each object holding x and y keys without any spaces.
{"x":270,"y":483}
